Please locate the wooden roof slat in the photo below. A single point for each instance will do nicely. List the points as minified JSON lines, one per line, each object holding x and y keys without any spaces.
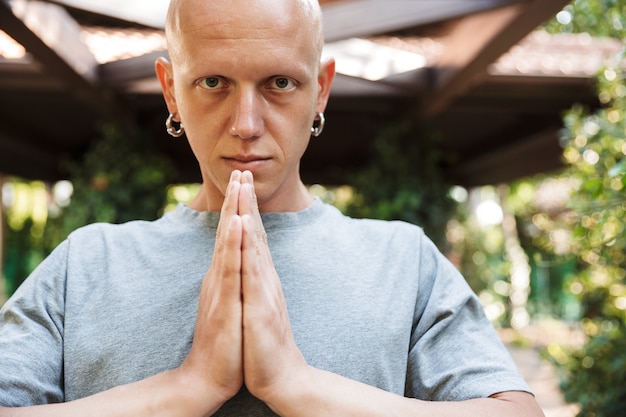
{"x":510,"y":161}
{"x":493,"y":33}
{"x":50,"y":34}
{"x":345,"y":85}
{"x":149,"y":13}
{"x":372,"y":17}
{"x":130,"y":70}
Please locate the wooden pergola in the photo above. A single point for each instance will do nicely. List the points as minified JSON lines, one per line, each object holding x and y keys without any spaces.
{"x":499,"y":118}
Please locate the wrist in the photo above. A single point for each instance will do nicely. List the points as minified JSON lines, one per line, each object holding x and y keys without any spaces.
{"x":299,"y":389}
{"x":195,"y":396}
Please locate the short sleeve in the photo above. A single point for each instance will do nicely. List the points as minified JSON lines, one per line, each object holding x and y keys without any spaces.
{"x":455,"y":353}
{"x":31,"y":336}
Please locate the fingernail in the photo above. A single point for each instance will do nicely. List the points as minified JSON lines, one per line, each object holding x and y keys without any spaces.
{"x":248,"y":177}
{"x":230,"y":188}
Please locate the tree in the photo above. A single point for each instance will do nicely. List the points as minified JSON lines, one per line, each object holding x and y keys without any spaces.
{"x":595,"y":374}
{"x":600,"y":18}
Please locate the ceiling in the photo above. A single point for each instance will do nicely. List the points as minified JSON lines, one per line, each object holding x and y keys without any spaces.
{"x":472,"y":70}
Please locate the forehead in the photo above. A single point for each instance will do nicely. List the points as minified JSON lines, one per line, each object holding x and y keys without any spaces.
{"x":241,"y":26}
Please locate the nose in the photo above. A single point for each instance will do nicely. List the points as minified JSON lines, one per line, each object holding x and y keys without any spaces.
{"x":247,"y":122}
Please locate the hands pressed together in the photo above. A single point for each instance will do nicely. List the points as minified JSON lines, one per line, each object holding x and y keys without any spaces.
{"x":242,"y":334}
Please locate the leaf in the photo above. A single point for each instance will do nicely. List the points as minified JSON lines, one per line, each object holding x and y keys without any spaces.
{"x":618,"y":169}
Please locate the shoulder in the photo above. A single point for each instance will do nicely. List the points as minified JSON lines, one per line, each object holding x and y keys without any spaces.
{"x":135,"y":229}
{"x":117,"y":241}
{"x":134,"y":226}
{"x":98,"y":232}
{"x":397,"y":231}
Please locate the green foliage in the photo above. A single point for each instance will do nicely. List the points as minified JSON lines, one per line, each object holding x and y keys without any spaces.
{"x":122,"y":177}
{"x":478,"y":252}
{"x":24,"y":223}
{"x":404,"y":181}
{"x":602,"y":18}
{"x":22,"y":255}
{"x":540,"y":207}
{"x":597,"y":223}
{"x":595,"y":375}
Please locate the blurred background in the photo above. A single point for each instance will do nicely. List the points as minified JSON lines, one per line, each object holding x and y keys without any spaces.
{"x":497,"y":126}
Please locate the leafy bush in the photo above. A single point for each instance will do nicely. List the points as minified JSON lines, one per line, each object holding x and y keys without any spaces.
{"x":404,"y":181}
{"x":595,"y":375}
{"x":595,"y":149}
{"x":122,"y":177}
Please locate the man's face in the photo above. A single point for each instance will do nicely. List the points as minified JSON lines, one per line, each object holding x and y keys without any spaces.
{"x":246,"y":89}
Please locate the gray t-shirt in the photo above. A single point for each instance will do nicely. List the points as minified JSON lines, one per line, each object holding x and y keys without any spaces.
{"x":370,"y":300}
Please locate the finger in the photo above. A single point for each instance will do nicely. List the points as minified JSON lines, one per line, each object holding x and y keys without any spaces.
{"x":247,"y":177}
{"x":253,"y":224}
{"x":248,"y":201}
{"x":248,"y":204}
{"x":269,"y":347}
{"x":232,"y":192}
{"x":258,"y":274}
{"x":216,"y":355}
{"x":221,"y":289}
{"x":227,"y":250}
{"x":227,"y":253}
{"x":258,"y":298}
{"x":230,"y":206}
{"x":249,"y":248}
{"x":231,"y":260}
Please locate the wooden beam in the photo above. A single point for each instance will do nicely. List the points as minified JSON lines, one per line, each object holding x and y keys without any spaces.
{"x":26,"y":75}
{"x":347,"y":86}
{"x":538,"y":152}
{"x":469,"y":50}
{"x":131,"y":69}
{"x":343,"y":19}
{"x":477,"y":41}
{"x":146,"y":13}
{"x":52,"y":36}
{"x":374,"y":17}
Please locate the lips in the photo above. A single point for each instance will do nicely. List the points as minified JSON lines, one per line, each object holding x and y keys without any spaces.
{"x":247,"y":162}
{"x":248,"y":158}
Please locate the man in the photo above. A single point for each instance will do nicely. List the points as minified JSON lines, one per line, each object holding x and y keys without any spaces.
{"x":302,"y":312}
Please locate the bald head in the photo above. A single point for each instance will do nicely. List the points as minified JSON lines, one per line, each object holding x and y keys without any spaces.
{"x":186,"y":20}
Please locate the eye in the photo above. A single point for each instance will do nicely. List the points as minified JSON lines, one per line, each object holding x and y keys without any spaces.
{"x":212,"y":83}
{"x":282,"y":83}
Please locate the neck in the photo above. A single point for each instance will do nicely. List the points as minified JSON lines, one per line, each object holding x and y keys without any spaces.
{"x":287,"y":201}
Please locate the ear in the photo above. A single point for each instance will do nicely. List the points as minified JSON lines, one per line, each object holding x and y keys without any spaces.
{"x":166,"y":78}
{"x":325,"y":81}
